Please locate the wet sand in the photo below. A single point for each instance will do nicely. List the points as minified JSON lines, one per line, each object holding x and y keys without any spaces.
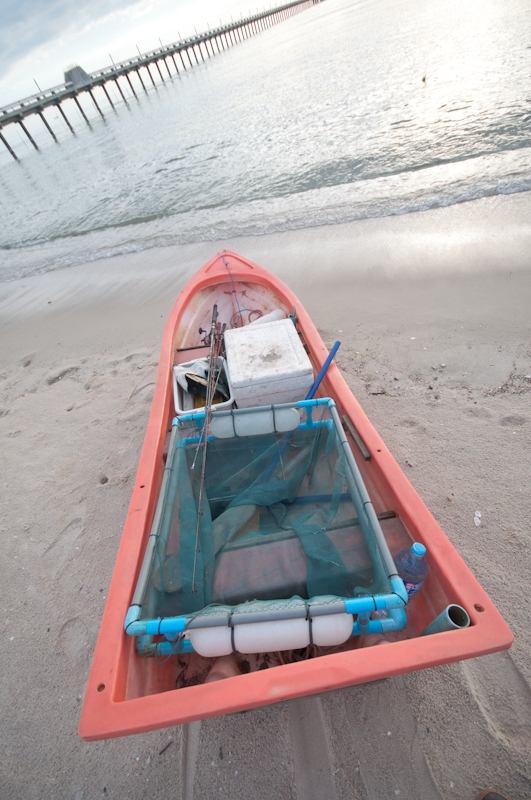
{"x":433,"y":313}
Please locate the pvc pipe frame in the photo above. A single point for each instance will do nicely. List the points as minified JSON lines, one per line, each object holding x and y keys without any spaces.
{"x":173,"y":627}
{"x":146,"y":646}
{"x":199,"y":416}
{"x":304,"y":426}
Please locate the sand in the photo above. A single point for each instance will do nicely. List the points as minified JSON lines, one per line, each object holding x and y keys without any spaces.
{"x":433,"y":313}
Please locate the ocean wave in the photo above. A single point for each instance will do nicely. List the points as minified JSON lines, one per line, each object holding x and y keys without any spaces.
{"x":257,"y":218}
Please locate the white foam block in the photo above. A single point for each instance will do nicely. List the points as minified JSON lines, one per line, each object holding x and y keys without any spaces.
{"x":267,"y":364}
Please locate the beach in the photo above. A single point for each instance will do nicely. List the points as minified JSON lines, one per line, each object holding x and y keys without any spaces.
{"x":433,"y":313}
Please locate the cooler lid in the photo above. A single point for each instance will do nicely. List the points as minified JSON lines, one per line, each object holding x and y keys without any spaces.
{"x":269,"y":352}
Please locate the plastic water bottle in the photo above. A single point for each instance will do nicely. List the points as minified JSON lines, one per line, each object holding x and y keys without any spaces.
{"x":412,"y":567}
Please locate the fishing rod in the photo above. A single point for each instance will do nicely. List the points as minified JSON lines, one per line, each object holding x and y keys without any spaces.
{"x":210,"y":390}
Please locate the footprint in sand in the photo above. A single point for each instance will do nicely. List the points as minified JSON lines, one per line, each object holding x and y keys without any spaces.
{"x":145,"y":391}
{"x":478,"y":412}
{"x":95,"y":382}
{"x":512,"y":421}
{"x":132,"y":363}
{"x":73,"y":641}
{"x":66,"y":372}
{"x":64,"y":547}
{"x":414,"y":425}
{"x":503,"y":697}
{"x":137,"y":355}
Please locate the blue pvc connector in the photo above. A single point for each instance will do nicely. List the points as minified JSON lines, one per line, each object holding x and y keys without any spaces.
{"x":397,"y":585}
{"x":173,"y":648}
{"x":145,"y":646}
{"x":132,"y":616}
{"x":188,"y":440}
{"x":369,"y":603}
{"x":310,"y":424}
{"x":360,"y":605}
{"x":315,"y":401}
{"x":396,"y":620}
{"x":170,"y":626}
{"x":165,"y":625}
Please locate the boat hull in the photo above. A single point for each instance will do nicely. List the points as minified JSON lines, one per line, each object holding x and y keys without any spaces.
{"x":128,"y":694}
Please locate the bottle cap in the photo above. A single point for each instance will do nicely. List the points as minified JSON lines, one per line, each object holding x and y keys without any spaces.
{"x":418,"y":549}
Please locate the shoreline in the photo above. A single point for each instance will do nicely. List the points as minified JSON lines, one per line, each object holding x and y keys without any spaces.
{"x":480,"y":236}
{"x":435,"y":344}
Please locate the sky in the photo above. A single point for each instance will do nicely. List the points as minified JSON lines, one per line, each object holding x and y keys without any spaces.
{"x":40,"y":38}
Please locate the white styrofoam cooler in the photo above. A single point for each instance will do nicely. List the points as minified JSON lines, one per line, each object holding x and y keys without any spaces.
{"x":267,"y":364}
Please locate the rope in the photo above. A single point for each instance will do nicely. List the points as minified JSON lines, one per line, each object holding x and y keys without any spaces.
{"x":233,"y":284}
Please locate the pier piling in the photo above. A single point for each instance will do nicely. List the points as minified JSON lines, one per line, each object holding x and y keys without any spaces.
{"x":141,"y":79}
{"x":78,"y":104}
{"x":151,"y":76}
{"x":131,"y":85}
{"x":203,"y":46}
{"x":47,"y":126}
{"x":95,"y":103}
{"x":8,"y":146}
{"x":107,"y":95}
{"x":28,"y":134}
{"x":120,"y":90}
{"x":62,"y":113}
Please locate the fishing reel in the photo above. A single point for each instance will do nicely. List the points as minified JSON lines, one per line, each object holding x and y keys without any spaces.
{"x":207,"y":338}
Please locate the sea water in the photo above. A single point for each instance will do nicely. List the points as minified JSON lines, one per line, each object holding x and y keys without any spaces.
{"x":351,"y":109}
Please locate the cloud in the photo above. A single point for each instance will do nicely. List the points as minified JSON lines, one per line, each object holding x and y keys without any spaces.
{"x":40,"y":38}
{"x":27,"y":24}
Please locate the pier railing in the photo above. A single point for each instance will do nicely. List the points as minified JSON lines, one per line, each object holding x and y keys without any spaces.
{"x":180,"y":56}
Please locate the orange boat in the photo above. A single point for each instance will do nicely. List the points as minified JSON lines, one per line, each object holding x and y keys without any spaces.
{"x":135,"y":682}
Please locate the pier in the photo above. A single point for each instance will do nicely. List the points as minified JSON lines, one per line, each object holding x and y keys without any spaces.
{"x":161,"y":64}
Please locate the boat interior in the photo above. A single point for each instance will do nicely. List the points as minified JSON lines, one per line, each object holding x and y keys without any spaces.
{"x":265,"y":556}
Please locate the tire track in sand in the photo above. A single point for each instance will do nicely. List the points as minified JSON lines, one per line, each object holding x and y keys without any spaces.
{"x":312,"y":760}
{"x":503,"y":697}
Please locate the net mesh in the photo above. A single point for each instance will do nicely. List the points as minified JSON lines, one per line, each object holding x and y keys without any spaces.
{"x":279,"y":517}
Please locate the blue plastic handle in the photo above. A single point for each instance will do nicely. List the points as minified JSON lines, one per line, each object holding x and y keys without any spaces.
{"x":322,"y":372}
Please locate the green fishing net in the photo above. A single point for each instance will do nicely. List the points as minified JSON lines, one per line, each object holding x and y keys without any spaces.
{"x":278,"y":515}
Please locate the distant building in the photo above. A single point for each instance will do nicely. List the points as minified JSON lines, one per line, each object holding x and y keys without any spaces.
{"x":76,"y":77}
